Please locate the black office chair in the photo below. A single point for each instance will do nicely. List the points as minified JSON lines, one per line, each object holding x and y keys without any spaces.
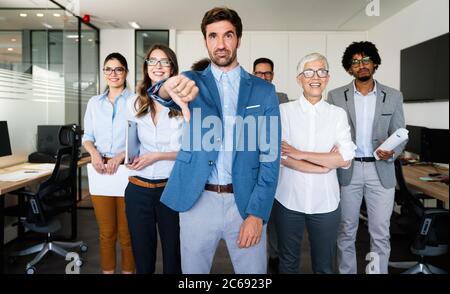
{"x":54,"y":196}
{"x":427,"y":227}
{"x":431,"y":240}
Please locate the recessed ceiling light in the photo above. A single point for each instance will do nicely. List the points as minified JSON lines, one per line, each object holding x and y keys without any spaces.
{"x":13,"y":40}
{"x":10,"y":49}
{"x":47,"y":25}
{"x":23,"y":14}
{"x":56,"y":14}
{"x":39,"y":14}
{"x":134,"y":25}
{"x":90,"y":40}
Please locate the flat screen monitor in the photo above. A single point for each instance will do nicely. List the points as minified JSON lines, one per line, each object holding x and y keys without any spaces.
{"x":435,"y":146}
{"x":5,"y":145}
{"x":414,"y":144}
{"x":424,"y":71}
{"x":48,"y":139}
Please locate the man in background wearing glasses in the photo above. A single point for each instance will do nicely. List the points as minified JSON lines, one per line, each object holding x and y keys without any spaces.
{"x":263,"y":68}
{"x":375,"y":112}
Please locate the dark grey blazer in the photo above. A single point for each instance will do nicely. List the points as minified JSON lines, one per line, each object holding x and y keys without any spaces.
{"x":282,"y":97}
{"x":388,"y":118}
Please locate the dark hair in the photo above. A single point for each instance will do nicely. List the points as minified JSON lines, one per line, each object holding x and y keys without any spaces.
{"x":143,"y":102}
{"x":201,"y":64}
{"x":119,"y":57}
{"x":219,"y":14}
{"x":262,"y":60}
{"x":364,"y":48}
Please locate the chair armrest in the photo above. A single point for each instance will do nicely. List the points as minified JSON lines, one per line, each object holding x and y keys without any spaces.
{"x":434,"y":211}
{"x":26,"y":193}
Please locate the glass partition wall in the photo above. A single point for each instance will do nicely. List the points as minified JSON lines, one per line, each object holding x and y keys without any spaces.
{"x":48,"y":68}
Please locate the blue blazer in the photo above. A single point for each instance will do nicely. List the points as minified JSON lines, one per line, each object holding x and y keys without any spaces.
{"x":254,"y":180}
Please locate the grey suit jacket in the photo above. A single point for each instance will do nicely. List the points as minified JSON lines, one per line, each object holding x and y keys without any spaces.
{"x":388,"y":118}
{"x":282,"y":97}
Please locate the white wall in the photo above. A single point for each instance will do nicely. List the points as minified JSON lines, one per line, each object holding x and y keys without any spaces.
{"x":122,"y":41}
{"x":284,"y":48}
{"x":421,"y":21}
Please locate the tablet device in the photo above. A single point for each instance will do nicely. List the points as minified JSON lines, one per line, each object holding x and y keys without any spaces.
{"x":132,"y":142}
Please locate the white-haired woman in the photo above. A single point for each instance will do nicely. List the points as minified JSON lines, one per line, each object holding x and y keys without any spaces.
{"x":316,"y":141}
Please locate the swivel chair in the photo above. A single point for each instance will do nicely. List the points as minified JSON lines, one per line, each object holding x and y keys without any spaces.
{"x":54,"y":196}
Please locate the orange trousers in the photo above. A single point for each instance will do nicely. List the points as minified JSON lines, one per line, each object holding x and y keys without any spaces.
{"x":112,"y":223}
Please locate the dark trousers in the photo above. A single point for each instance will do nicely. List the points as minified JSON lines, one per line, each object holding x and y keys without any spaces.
{"x":322,"y":231}
{"x":145,"y":212}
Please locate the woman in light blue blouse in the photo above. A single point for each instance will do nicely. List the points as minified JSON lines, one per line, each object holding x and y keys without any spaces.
{"x":105,"y":125}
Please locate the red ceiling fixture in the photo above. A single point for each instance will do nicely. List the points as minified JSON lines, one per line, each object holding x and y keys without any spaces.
{"x":86,"y":18}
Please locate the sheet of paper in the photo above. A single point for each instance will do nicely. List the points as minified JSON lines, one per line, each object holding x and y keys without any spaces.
{"x":108,"y":185}
{"x":40,"y":166}
{"x":398,"y":137}
{"x":21,"y":175}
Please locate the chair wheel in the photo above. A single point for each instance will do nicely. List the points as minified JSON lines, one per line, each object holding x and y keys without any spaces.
{"x":11,"y":260}
{"x":79,"y":262}
{"x":31,"y":270}
{"x":84,"y":248}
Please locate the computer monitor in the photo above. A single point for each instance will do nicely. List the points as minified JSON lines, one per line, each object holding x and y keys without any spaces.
{"x":5,"y":145}
{"x":435,"y":146}
{"x":415,"y":139}
{"x":48,"y":139}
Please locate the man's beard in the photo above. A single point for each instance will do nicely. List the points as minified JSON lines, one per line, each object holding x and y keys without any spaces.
{"x":221,"y":62}
{"x":364,"y":78}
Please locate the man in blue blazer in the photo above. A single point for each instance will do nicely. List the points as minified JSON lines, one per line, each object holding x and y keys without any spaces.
{"x":225,"y":176}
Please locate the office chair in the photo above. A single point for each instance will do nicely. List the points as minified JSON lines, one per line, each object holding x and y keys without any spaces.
{"x":431,"y":240}
{"x":427,"y":227}
{"x":54,"y":196}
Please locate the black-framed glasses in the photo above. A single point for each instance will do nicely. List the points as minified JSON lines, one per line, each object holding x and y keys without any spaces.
{"x":118,"y":70}
{"x":309,"y":73}
{"x":365,"y":60}
{"x":264,"y":73}
{"x":153,"y":62}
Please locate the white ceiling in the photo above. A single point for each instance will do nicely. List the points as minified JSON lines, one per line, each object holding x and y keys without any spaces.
{"x":281,"y":15}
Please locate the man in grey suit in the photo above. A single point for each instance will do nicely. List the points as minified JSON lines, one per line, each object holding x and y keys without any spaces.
{"x":263,"y":68}
{"x":375,"y":112}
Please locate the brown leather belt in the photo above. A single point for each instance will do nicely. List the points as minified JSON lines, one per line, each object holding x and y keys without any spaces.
{"x":143,"y":184}
{"x":106,"y":159}
{"x":219,"y":188}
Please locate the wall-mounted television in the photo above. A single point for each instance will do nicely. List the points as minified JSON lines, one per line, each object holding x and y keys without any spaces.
{"x":424,"y":71}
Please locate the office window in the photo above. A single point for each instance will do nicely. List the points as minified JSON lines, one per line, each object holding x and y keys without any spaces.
{"x":145,"y":39}
{"x":48,"y":69}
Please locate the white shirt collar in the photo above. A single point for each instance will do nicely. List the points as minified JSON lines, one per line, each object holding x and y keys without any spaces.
{"x":307,"y":106}
{"x":373,"y":92}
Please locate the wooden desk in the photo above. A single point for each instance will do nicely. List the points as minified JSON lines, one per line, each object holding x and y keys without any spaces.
{"x":6,"y":187}
{"x":437,"y":190}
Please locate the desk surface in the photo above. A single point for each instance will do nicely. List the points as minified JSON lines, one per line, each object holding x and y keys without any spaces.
{"x":437,"y":190}
{"x":6,"y":187}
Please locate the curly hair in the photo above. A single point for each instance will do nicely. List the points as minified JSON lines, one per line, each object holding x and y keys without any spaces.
{"x":364,"y":48}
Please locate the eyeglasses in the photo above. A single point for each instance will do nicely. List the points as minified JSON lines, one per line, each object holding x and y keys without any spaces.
{"x":365,"y":60}
{"x":309,"y":73}
{"x":154,"y":62}
{"x":264,"y":73}
{"x":118,"y":70}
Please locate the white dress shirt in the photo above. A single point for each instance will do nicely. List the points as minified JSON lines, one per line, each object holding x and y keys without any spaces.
{"x":365,"y":113}
{"x":313,"y":128}
{"x":164,"y":137}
